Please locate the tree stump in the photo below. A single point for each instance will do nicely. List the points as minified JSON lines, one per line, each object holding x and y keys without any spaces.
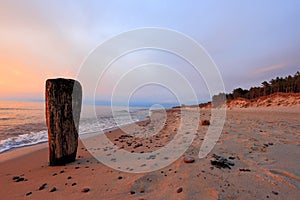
{"x":63,"y":107}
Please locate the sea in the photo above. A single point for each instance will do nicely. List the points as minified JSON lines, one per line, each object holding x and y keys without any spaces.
{"x":24,"y":123}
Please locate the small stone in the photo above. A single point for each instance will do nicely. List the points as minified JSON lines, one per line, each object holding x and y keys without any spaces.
{"x":85,"y":190}
{"x":276,"y":193}
{"x":54,"y":174}
{"x":70,"y":177}
{"x":142,"y":190}
{"x":62,"y":171}
{"x":15,"y":178}
{"x":73,"y":184}
{"x":179,"y":190}
{"x":28,"y":193}
{"x":120,"y":177}
{"x":132,"y":192}
{"x":20,"y":179}
{"x":205,"y":122}
{"x":53,"y":189}
{"x":43,"y":186}
{"x":188,"y":159}
{"x":245,"y":170}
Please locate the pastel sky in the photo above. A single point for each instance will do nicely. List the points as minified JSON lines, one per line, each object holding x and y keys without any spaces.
{"x":250,"y":41}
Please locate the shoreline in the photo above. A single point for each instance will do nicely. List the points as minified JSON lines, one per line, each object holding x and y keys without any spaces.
{"x":23,"y":150}
{"x":264,"y":164}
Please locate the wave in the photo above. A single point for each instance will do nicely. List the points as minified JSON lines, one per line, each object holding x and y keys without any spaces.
{"x":42,"y":136}
{"x":23,"y":140}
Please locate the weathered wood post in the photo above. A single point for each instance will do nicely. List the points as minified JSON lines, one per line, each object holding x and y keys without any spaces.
{"x":63,"y":107}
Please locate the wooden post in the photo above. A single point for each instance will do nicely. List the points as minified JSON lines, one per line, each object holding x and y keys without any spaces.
{"x":63,"y":107}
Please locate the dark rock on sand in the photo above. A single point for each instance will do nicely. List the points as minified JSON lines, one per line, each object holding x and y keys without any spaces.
{"x":188,"y":159}
{"x":28,"y":193}
{"x":132,"y":192}
{"x":53,"y":189}
{"x":179,"y":190}
{"x":205,"y":122}
{"x":245,"y":170}
{"x":85,"y":190}
{"x":19,"y":179}
{"x":42,"y":187}
{"x":221,"y":162}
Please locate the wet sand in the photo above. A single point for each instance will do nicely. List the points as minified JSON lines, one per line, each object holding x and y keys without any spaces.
{"x":256,"y":157}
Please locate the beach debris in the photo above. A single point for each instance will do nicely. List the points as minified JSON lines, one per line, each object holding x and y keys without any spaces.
{"x":221,"y":162}
{"x":245,"y":170}
{"x":42,"y":187}
{"x":85,"y":190}
{"x":28,"y":193}
{"x":53,"y":189}
{"x":63,"y":107}
{"x":179,"y":190}
{"x":188,"y":159}
{"x":141,"y":190}
{"x":138,"y":145}
{"x":18,"y":179}
{"x":132,"y":192}
{"x":205,"y":122}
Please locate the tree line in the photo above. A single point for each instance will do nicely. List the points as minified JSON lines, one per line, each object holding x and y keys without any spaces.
{"x":288,"y":84}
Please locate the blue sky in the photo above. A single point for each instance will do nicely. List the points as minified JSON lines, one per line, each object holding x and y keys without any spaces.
{"x":250,"y":41}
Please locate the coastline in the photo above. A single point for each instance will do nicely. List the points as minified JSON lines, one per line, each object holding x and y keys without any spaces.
{"x":265,"y":165}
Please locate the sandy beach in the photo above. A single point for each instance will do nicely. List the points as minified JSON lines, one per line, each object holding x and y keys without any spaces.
{"x":256,"y":157}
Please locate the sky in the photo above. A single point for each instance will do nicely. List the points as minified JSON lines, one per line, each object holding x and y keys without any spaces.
{"x":249,"y":41}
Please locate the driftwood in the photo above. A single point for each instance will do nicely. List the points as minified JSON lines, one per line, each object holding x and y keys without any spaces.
{"x":63,"y":107}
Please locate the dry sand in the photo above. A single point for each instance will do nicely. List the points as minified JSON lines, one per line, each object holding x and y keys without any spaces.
{"x":259,"y":152}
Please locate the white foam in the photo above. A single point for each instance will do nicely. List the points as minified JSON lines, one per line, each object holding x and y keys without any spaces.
{"x":23,"y":140}
{"x":87,"y":125}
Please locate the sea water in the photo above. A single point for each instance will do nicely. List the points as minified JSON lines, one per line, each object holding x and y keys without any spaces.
{"x":23,"y":123}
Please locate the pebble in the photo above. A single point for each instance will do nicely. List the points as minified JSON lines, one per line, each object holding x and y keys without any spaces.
{"x":85,"y":190}
{"x":43,"y":186}
{"x":132,"y":192}
{"x":188,"y":159}
{"x":245,"y":170}
{"x":53,"y":189}
{"x":179,"y":190}
{"x":205,"y":122}
{"x":276,"y":193}
{"x":73,"y":184}
{"x":28,"y":193}
{"x":120,"y":177}
{"x":70,"y":177}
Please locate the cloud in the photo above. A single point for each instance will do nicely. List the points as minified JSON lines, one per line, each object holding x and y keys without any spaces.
{"x":264,"y":70}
